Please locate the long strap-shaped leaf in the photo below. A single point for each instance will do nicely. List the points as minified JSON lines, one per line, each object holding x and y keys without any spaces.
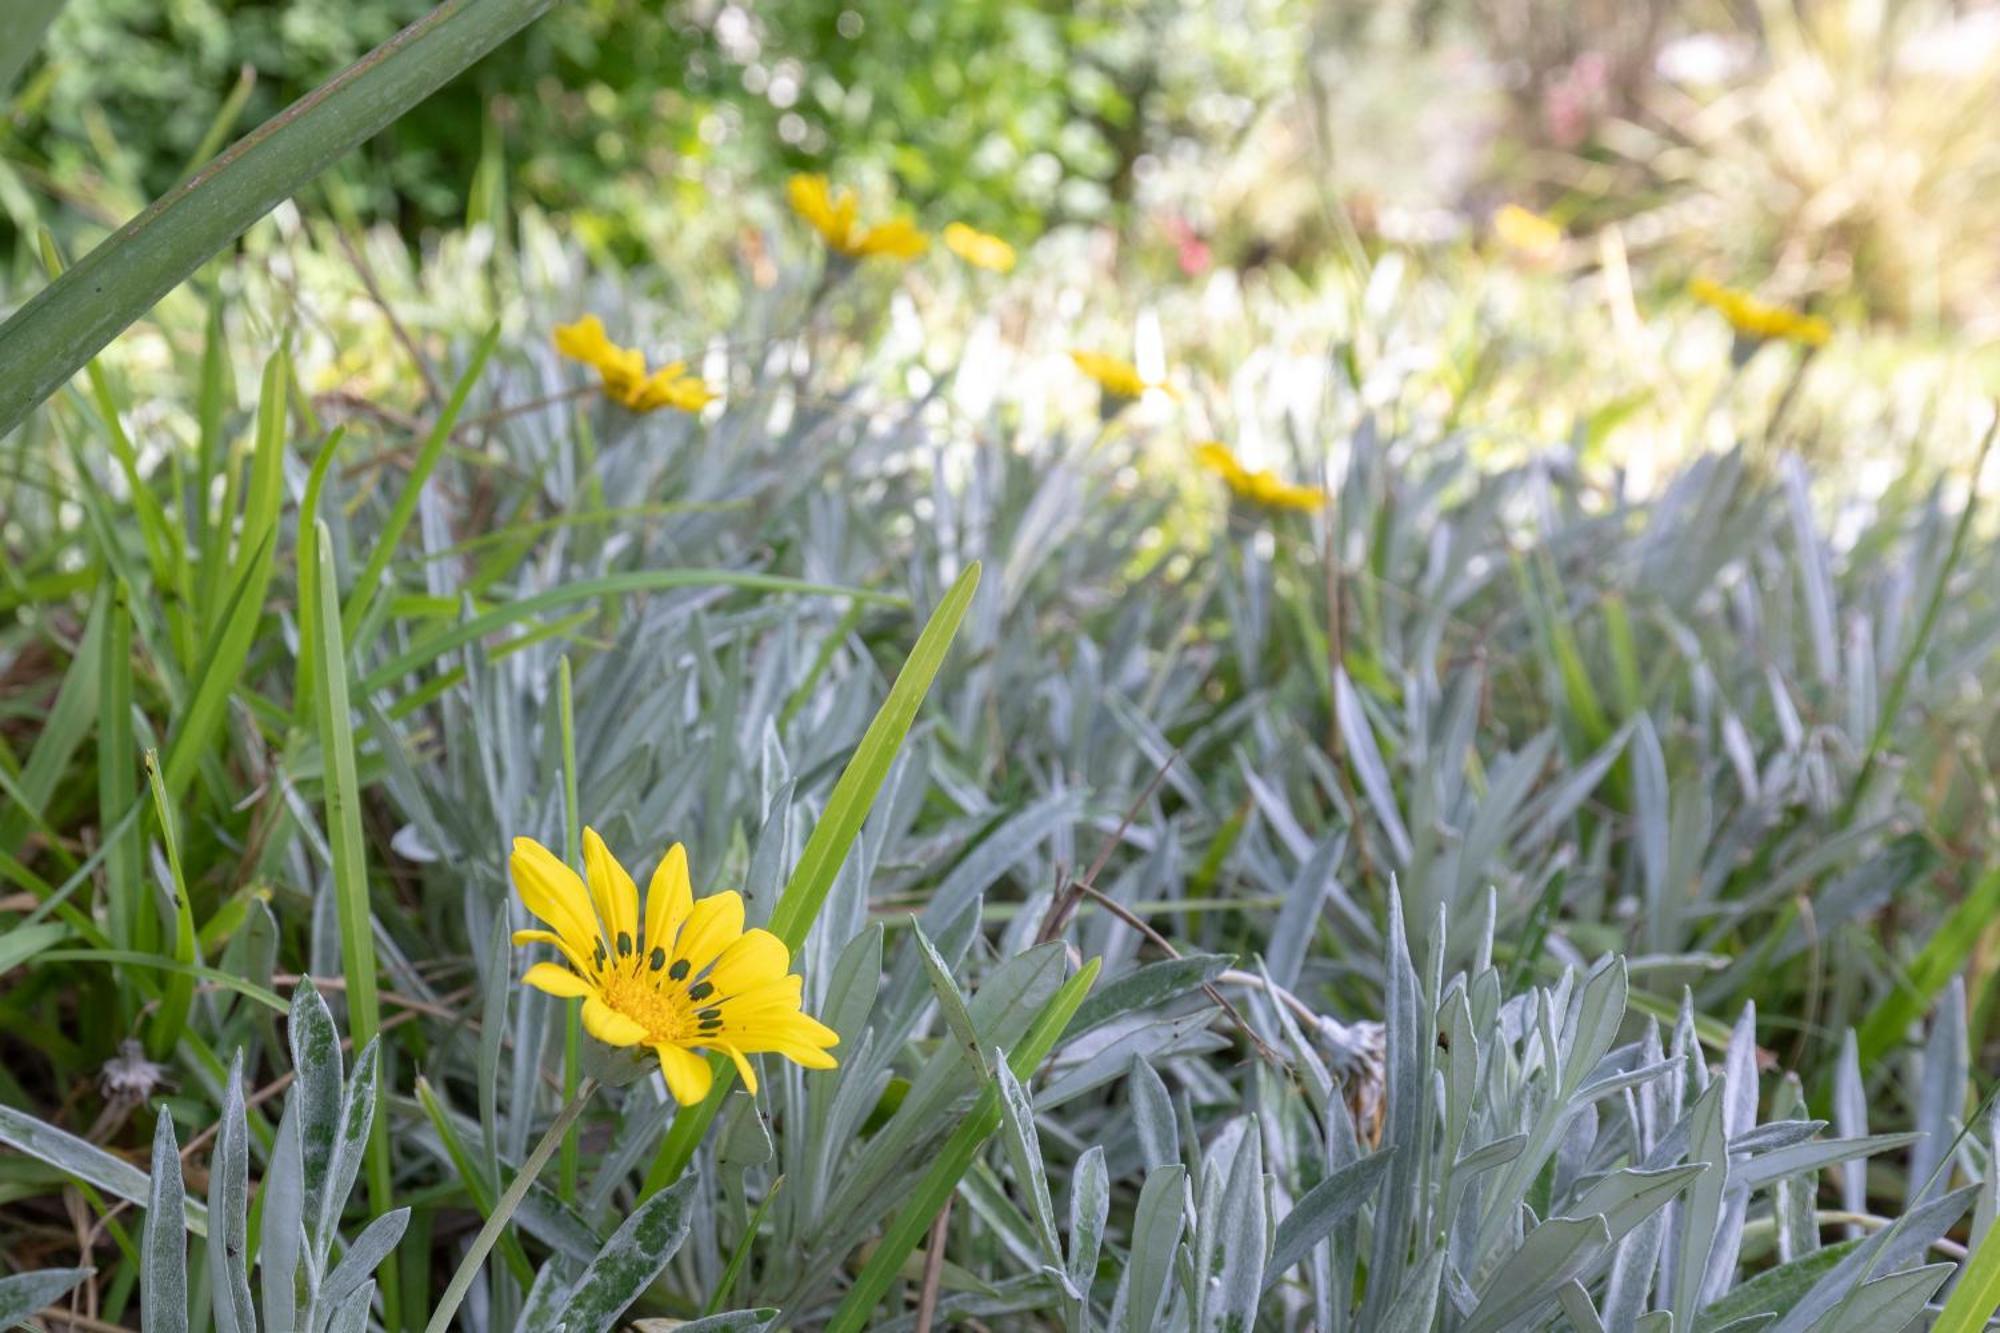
{"x":812,"y":879}
{"x":22,"y":23}
{"x":72,"y":318}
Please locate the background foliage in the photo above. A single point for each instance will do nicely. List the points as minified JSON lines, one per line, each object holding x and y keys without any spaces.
{"x":1547,"y":888}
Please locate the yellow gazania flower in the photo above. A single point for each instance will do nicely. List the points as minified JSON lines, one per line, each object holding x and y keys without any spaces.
{"x":1119,"y":379}
{"x":1528,"y":232}
{"x":832,"y":214}
{"x":1754,"y":319}
{"x":688,"y":978}
{"x":1260,"y":487}
{"x":623,"y":370}
{"x":978,"y":248}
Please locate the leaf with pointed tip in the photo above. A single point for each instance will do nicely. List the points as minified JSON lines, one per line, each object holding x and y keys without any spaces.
{"x":163,"y":1293}
{"x":635,"y":1255}
{"x":86,"y":1161}
{"x":282,"y":1233}
{"x":1322,"y":1208}
{"x":317,"y":1081}
{"x":229,"y":1205}
{"x":357,"y":1267}
{"x":1157,"y":1222}
{"x":25,"y":1293}
{"x":1550,"y":1255}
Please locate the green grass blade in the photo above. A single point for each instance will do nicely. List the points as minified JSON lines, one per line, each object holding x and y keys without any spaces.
{"x":343,"y":832}
{"x":475,"y":1184}
{"x":66,"y":324}
{"x":853,"y":796}
{"x":370,"y":583}
{"x":1939,"y":961}
{"x":583,"y":590}
{"x":22,"y":23}
{"x":1977,"y":1294}
{"x":133,"y":923}
{"x":230,"y":630}
{"x":955,"y":1159}
{"x":168,"y":1020}
{"x":63,"y":731}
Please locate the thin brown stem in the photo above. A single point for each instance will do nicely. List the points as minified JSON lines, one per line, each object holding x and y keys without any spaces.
{"x":1138,"y":923}
{"x":927,"y":1294}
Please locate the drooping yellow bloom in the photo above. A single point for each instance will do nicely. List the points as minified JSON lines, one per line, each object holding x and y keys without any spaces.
{"x":978,"y":248}
{"x":623,"y":370}
{"x":1118,"y":379}
{"x":1755,"y":319}
{"x":1533,"y":235}
{"x":1261,"y":486}
{"x":687,"y":977}
{"x":832,"y":214}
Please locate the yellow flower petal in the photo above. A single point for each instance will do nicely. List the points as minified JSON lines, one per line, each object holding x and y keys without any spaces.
{"x":584,"y":340}
{"x":1121,"y":379}
{"x":743,"y":1069}
{"x":832,"y":213}
{"x":554,"y":980}
{"x":615,"y":895}
{"x":755,"y":959}
{"x":714,"y":922}
{"x":687,"y":1074}
{"x":553,"y":892}
{"x":669,"y":897}
{"x":1535,"y":236}
{"x":896,"y":240}
{"x":979,"y":248}
{"x":609,"y":1026}
{"x":581,"y":962}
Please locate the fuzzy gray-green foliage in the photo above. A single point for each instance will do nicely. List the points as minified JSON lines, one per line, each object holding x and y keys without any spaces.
{"x":1578,"y":764}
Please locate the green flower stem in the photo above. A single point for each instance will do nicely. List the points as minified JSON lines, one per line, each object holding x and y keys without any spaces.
{"x":503,"y":1212}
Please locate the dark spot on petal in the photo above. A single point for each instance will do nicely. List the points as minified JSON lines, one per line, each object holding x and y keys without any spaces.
{"x":597,"y":959}
{"x":701,"y":990}
{"x":706,"y":1014}
{"x":624,"y":944}
{"x":711,"y":1025}
{"x":679,"y":970}
{"x":658,"y":959}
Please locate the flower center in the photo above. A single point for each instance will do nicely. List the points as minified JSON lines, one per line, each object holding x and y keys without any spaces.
{"x":661,"y":994}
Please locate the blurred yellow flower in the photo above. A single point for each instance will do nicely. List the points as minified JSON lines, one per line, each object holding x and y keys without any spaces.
{"x":1526,"y":231}
{"x":832,"y":214}
{"x":1118,"y":379}
{"x":623,"y":370}
{"x":1260,"y":487}
{"x":689,"y":978}
{"x":1754,"y":319}
{"x":978,"y":248}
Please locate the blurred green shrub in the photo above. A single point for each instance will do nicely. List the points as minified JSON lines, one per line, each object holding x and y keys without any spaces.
{"x":1010,"y":115}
